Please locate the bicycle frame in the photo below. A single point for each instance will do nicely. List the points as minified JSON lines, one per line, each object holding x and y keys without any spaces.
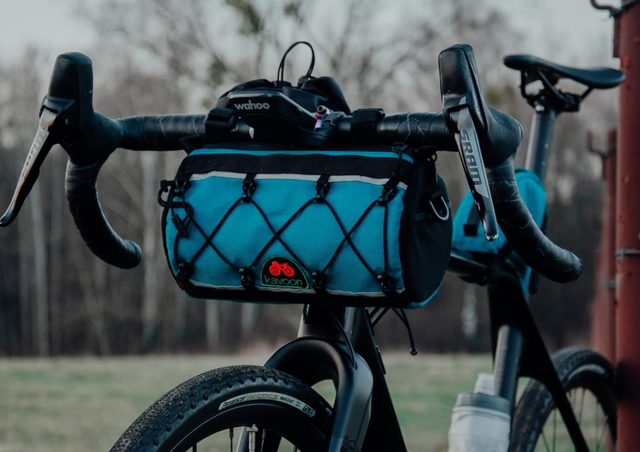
{"x":338,"y":344}
{"x":518,"y":347}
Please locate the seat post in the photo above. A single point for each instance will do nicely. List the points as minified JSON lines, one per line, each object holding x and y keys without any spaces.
{"x":539,"y":145}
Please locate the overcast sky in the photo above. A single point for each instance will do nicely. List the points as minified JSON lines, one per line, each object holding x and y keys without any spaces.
{"x":569,"y":31}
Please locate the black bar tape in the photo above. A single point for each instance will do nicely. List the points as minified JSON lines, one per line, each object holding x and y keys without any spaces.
{"x":416,"y":130}
{"x":102,"y":240}
{"x":521,"y":231}
{"x":159,"y":133}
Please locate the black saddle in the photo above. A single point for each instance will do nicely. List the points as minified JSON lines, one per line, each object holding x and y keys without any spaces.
{"x":532,"y":67}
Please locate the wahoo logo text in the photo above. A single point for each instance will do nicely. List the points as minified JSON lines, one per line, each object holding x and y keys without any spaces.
{"x":253,"y":106}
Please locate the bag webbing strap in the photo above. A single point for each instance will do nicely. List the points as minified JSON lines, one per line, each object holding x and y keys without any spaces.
{"x":218,"y":120}
{"x":399,"y":169}
{"x":363,"y":125}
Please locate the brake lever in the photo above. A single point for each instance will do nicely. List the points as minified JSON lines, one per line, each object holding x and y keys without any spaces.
{"x":465,"y":113}
{"x":473,"y":164}
{"x":68,"y":100}
{"x":42,"y":144}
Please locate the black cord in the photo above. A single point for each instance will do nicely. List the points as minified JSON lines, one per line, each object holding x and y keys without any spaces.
{"x":403,"y":317}
{"x":376,"y":315}
{"x":280,"y":76}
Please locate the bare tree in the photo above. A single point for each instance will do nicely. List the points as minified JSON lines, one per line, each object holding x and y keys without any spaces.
{"x":57,"y":255}
{"x":19,"y":120}
{"x":132,"y":92}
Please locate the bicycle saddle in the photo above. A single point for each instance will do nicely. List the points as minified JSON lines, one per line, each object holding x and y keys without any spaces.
{"x":530,"y":66}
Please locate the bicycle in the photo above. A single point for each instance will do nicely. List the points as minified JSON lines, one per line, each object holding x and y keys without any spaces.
{"x":541,"y":398}
{"x":275,"y":402}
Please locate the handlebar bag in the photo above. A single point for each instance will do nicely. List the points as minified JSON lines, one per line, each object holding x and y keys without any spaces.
{"x":468,"y":238}
{"x":350,"y":227}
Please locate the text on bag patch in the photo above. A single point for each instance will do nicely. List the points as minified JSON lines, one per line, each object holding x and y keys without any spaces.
{"x":283,"y":272}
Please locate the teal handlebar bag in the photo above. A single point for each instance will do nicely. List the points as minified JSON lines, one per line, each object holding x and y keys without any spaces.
{"x":348,"y":227}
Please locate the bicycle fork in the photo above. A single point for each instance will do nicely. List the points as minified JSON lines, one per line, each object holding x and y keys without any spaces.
{"x":323,"y":352}
{"x":519,"y":350}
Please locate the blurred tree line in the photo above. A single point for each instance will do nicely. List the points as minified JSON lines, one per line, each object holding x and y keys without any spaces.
{"x":168,"y":56}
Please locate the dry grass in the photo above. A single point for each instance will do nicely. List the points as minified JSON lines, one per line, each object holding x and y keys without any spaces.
{"x":84,"y":404}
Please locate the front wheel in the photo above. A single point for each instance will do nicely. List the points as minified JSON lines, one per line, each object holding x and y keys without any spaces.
{"x":244,"y":408}
{"x":587,"y":379}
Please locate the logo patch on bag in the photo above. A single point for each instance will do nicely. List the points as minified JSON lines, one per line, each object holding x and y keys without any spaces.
{"x":283,"y":272}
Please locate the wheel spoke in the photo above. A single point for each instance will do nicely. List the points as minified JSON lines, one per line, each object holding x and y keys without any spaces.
{"x":596,"y":424}
{"x":539,"y":426}
{"x":605,"y":426}
{"x":544,"y":440}
{"x":555,"y":424}
{"x":581,"y":406}
{"x":264,"y":435}
{"x":553,"y":437}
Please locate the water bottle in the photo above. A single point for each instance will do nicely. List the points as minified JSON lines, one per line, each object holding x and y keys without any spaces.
{"x":485,"y":383}
{"x":481,"y":420}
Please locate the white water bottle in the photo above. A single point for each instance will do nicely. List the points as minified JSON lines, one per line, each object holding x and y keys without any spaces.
{"x":480,"y":421}
{"x":485,"y":384}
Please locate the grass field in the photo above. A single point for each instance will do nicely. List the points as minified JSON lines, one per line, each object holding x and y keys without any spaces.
{"x":84,"y":404}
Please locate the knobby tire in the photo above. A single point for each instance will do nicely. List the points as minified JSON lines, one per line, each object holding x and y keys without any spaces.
{"x":276,"y":404}
{"x":588,"y":380}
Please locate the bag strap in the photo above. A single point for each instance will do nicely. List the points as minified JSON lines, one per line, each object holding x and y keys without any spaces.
{"x":218,"y":119}
{"x":363,"y":125}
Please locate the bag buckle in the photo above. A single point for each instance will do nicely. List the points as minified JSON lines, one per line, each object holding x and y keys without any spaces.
{"x":165,"y":186}
{"x":173,"y":188}
{"x":182,"y":275}
{"x":248,"y":187}
{"x":388,"y":192}
{"x":247,"y":279}
{"x":319,"y":282}
{"x":385,"y":284}
{"x":322,"y":188}
{"x":176,"y":188}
